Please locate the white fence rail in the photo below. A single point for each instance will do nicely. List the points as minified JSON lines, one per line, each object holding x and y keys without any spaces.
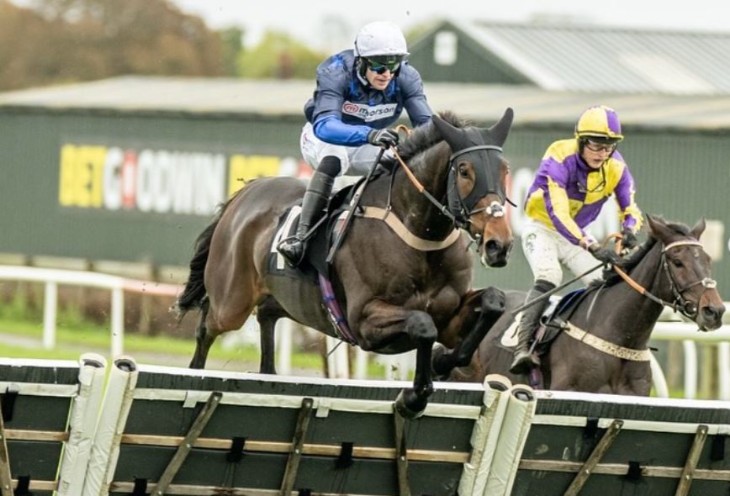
{"x":116,"y":284}
{"x":396,"y":366}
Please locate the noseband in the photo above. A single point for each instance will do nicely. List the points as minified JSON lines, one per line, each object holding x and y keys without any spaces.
{"x":686,"y":308}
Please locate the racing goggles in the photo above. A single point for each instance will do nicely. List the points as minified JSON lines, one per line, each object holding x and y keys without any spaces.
{"x":382,"y":64}
{"x":600,"y":146}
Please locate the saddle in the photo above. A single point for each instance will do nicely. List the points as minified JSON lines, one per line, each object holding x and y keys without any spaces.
{"x":552,"y":323}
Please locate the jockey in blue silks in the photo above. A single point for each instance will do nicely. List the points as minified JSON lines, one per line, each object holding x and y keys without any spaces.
{"x":359,"y":94}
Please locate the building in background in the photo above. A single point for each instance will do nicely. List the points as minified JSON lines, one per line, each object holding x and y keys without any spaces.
{"x":575,"y":57}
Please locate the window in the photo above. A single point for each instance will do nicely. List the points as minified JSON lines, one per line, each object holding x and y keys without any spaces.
{"x":445,"y":48}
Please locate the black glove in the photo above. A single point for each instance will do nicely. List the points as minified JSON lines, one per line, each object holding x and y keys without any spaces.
{"x":628,"y":239}
{"x":604,"y":254}
{"x":383,"y":137}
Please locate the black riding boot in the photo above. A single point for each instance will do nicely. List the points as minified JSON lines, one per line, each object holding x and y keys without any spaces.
{"x":523,"y":360}
{"x":314,"y":202}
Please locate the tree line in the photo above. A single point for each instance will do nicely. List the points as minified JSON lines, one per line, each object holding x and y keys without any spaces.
{"x":49,"y":42}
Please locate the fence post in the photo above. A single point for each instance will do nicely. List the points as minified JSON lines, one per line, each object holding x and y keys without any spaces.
{"x":50,"y":306}
{"x":690,"y":369}
{"x":117,"y":322}
{"x":723,"y":366}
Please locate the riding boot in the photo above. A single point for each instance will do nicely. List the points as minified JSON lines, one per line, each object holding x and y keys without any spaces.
{"x":523,"y":360}
{"x":314,"y":202}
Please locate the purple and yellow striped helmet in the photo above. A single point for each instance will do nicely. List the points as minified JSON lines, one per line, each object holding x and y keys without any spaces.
{"x":599,"y":122}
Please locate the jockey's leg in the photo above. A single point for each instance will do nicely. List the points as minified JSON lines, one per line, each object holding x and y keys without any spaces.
{"x":523,"y":360}
{"x":314,"y":202}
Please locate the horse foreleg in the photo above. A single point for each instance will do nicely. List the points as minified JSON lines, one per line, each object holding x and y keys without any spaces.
{"x":491,"y":307}
{"x":421,"y":329}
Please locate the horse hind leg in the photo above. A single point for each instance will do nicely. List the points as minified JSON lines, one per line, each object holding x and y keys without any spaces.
{"x":203,"y":340}
{"x":267,"y":313}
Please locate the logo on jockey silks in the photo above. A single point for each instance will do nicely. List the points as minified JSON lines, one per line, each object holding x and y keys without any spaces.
{"x":369,"y":113}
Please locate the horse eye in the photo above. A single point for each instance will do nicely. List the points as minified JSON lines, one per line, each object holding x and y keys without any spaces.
{"x":463,"y":171}
{"x":677,"y":263}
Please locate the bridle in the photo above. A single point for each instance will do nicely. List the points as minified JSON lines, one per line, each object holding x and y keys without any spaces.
{"x":680,"y":303}
{"x":687,"y":308}
{"x":459,"y":210}
{"x":487,"y":182}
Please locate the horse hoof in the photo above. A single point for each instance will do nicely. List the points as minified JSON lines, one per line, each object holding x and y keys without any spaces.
{"x":408,"y":405}
{"x":441,"y":366}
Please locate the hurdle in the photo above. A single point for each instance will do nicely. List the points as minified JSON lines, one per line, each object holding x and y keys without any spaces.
{"x":605,"y":445}
{"x":205,"y":432}
{"x":92,"y":428}
{"x":48,"y":420}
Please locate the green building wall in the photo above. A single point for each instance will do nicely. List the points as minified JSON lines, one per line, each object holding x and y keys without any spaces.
{"x":48,"y":210}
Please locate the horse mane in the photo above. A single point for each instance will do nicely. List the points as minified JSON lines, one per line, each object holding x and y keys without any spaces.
{"x":611,"y":277}
{"x":424,"y":137}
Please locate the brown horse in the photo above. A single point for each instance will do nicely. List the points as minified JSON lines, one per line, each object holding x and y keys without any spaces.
{"x":402,"y":271}
{"x":602,"y":345}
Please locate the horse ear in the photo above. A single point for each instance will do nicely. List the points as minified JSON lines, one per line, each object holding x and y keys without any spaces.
{"x":658,"y":227}
{"x":500,"y":130}
{"x":699,"y":228}
{"x":449,"y":133}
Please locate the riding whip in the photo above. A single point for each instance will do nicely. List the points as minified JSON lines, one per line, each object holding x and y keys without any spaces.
{"x":548,"y":294}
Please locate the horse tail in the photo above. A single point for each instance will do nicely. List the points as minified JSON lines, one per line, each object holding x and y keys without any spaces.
{"x":194,"y":293}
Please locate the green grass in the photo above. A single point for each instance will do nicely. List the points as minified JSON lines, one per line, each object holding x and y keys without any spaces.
{"x":73,"y":340}
{"x":77,"y":338}
{"x":21,"y":336}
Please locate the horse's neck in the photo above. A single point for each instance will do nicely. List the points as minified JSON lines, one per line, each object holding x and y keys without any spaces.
{"x":417,"y":212}
{"x":623,"y":308}
{"x":650,"y":274}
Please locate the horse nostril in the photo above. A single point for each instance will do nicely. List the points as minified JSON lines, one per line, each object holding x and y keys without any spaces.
{"x":492,"y":247}
{"x":713,"y":313}
{"x":495,"y":253}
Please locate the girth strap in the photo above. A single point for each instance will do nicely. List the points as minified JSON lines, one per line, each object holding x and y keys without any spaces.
{"x":606,"y":346}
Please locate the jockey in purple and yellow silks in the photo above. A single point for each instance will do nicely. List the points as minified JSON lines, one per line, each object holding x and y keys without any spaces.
{"x":574,"y":180}
{"x":359,"y":94}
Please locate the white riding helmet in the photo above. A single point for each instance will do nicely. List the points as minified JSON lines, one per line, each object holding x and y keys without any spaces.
{"x":380,"y":38}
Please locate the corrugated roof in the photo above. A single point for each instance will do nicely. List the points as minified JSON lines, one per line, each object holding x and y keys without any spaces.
{"x":483,"y":103}
{"x":599,"y":58}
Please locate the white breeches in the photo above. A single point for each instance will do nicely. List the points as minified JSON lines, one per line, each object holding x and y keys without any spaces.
{"x":355,"y":160}
{"x":547,"y":251}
